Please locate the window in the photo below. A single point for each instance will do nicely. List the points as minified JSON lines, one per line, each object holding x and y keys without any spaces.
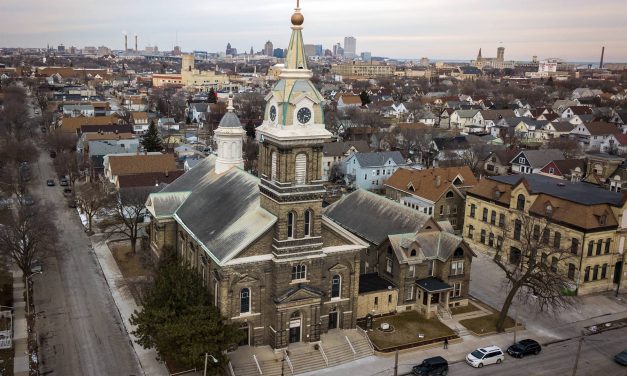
{"x":595,"y":273}
{"x":244,"y":300}
{"x":473,"y":209}
{"x":604,"y":271}
{"x":431,"y":268}
{"x":586,"y":274}
{"x":457,"y":290}
{"x":307,"y":222}
{"x":457,"y":267}
{"x":376,"y":300}
{"x":545,"y":236}
{"x":470,"y":231}
{"x":499,"y":242}
{"x":290,"y":225}
{"x":608,"y":242}
{"x":441,"y":209}
{"x":412,"y":271}
{"x":557,"y":240}
{"x":551,"y":170}
{"x":521,"y":160}
{"x":413,"y":253}
{"x":388,"y":265}
{"x":454,"y":209}
{"x":459,"y":253}
{"x":599,"y":246}
{"x":515,"y":255}
{"x":491,"y":240}
{"x":449,"y":194}
{"x":273,"y":168}
{"x":571,"y":271}
{"x":299,"y":272}
{"x":389,"y":298}
{"x":493,"y":218}
{"x":484,"y":217}
{"x":590,"y":247}
{"x":543,"y":258}
{"x":554,"y":264}
{"x":574,"y":246}
{"x":520,"y":202}
{"x":336,"y":285}
{"x":501,"y":220}
{"x":517,"y":229}
{"x":536,"y":232}
{"x":409,"y":293}
{"x":483,"y":236}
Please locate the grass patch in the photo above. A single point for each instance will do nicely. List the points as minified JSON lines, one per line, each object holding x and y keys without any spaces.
{"x":464,"y":309}
{"x":407,"y":326}
{"x":485,"y":324}
{"x":136,"y":267}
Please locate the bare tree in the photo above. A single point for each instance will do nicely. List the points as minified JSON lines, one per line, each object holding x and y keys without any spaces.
{"x":92,"y":198}
{"x":127,"y":210}
{"x":534,"y":264}
{"x":28,"y":234}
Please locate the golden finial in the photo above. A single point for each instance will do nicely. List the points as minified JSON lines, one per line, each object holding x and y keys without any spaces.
{"x":297,"y":17}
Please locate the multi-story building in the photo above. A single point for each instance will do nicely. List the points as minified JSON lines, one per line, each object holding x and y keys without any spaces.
{"x":437,"y":192}
{"x":268,"y":49}
{"x":585,"y":222}
{"x":362,"y":69}
{"x":369,"y":171}
{"x":350,"y":47}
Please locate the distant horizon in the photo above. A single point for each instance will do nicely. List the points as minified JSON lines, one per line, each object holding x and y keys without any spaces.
{"x":573,"y":30}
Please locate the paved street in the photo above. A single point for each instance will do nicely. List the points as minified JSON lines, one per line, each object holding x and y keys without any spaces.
{"x":79,"y":326}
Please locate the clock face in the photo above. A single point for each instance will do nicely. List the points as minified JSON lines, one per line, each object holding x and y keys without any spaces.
{"x":273,"y":113}
{"x":303,"y":115}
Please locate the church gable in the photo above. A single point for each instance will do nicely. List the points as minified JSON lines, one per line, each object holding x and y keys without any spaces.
{"x":299,"y":293}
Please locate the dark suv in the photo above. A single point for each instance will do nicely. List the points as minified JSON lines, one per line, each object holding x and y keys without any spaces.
{"x":524,"y":347}
{"x":436,"y":366}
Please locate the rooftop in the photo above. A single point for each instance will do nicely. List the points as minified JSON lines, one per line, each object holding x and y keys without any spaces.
{"x":373,"y":282}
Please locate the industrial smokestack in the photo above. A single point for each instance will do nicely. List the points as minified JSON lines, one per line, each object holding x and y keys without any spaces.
{"x":125,"y":42}
{"x":136,"y":43}
{"x":602,"y":54}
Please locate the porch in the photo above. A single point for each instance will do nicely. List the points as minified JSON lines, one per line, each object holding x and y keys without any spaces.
{"x":433,"y":297}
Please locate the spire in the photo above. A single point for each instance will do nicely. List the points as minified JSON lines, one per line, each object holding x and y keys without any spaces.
{"x":296,"y":58}
{"x":229,"y":106}
{"x":479,"y":56}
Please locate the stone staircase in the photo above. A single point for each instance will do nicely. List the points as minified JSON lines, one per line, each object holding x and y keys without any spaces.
{"x":305,"y":358}
{"x":444,"y":313}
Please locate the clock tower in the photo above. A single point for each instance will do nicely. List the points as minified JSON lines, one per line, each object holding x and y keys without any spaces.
{"x":290,"y":154}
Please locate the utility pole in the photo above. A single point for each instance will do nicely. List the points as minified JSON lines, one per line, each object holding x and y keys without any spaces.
{"x":578,"y":353}
{"x":396,"y":363}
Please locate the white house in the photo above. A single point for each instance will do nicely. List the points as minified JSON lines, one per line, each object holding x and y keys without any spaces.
{"x":592,"y":135}
{"x":140,"y":122}
{"x":462,"y":119}
{"x":334,"y":154}
{"x":532,"y":161}
{"x":76,"y":110}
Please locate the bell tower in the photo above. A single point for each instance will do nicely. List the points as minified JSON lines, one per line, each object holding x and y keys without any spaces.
{"x":290,"y":153}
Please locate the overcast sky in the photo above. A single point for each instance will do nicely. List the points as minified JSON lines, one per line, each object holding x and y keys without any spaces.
{"x":455,"y":29}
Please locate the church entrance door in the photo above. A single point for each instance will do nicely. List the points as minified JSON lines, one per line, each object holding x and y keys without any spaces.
{"x":295,"y":327}
{"x":333,"y":320}
{"x":245,"y":339}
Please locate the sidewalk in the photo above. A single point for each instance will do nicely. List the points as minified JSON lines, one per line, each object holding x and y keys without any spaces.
{"x":126,"y":306}
{"x":21,"y":365}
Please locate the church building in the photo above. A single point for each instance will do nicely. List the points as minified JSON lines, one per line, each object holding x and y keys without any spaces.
{"x":274,"y":264}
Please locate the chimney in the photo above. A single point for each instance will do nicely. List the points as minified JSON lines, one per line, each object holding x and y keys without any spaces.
{"x":602,"y":54}
{"x":136,"y":43}
{"x":167,"y":173}
{"x":438,"y":181}
{"x":125,"y":42}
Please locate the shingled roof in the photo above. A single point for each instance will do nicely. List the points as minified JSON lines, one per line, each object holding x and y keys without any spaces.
{"x":423,"y":183}
{"x":140,"y":163}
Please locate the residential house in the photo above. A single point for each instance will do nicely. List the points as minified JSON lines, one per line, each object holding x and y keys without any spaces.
{"x":498,"y":162}
{"x":73,"y":124}
{"x":601,"y":167}
{"x":116,"y":165}
{"x":426,"y":117}
{"x":561,"y":105}
{"x":369,"y":171}
{"x":437,"y":192}
{"x":580,"y":219}
{"x":532,"y":161}
{"x":140,"y":122}
{"x":557,"y":129}
{"x":571,"y":111}
{"x":348,"y":100}
{"x":411,"y":261}
{"x":334,"y":154}
{"x":568,"y":169}
{"x":592,"y":135}
{"x":168,"y":124}
{"x":615,"y":143}
{"x":492,"y":117}
{"x":76,"y":110}
{"x":467,"y":120}
{"x":147,"y":179}
{"x":198,"y":112}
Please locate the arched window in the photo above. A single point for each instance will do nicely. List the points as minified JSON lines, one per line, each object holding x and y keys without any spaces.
{"x":308,"y":222}
{"x":244,"y":300}
{"x":233,"y":149}
{"x":301,"y":168}
{"x":290,"y":225}
{"x":520,"y":202}
{"x":412,"y":253}
{"x":273,"y":167}
{"x":459,"y":253}
{"x":336,"y":286}
{"x":299,"y":272}
{"x":449,"y":194}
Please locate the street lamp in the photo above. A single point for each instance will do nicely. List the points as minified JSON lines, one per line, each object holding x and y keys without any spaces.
{"x":27,"y":292}
{"x":207,"y":356}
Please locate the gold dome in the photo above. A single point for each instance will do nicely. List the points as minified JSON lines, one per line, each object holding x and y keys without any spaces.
{"x":297,"y":19}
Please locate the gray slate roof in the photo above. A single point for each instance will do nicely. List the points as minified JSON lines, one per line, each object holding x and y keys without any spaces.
{"x":230,"y":120}
{"x":222,"y":212}
{"x":337,"y":149}
{"x":378,"y":159}
{"x":431,"y":245}
{"x":373,"y":217}
{"x":583,"y":193}
{"x":539,"y":158}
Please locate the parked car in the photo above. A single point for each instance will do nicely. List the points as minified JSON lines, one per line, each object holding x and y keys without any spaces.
{"x":436,"y":366}
{"x":523,"y":348}
{"x":484,"y":356}
{"x":63,"y":181}
{"x":50,"y":183}
{"x":621,"y":358}
{"x":53,"y":154}
{"x":67,"y":192}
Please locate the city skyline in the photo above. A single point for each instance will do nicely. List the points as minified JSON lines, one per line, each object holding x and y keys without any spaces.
{"x":393,"y":29}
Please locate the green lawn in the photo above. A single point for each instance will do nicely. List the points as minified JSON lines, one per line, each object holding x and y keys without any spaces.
{"x":486,"y":324}
{"x":407,"y":326}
